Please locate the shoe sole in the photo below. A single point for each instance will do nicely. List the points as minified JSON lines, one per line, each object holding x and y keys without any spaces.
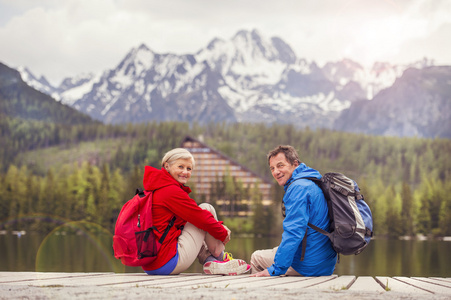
{"x":233,"y":267}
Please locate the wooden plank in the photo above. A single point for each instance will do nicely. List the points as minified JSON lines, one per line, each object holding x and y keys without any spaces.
{"x":431,"y":287}
{"x":201,"y":281}
{"x":435,"y":281}
{"x":114,"y":279}
{"x":413,"y":286}
{"x":242,"y":282}
{"x":447,"y":279}
{"x":229,"y":282}
{"x":171,"y":281}
{"x":13,"y":276}
{"x":392,"y":284}
{"x":84,"y":279}
{"x":311,"y":281}
{"x":367,"y":284}
{"x":27,"y":277}
{"x":68,"y":281}
{"x":337,"y":284}
{"x":273,"y":281}
{"x":142,"y":279}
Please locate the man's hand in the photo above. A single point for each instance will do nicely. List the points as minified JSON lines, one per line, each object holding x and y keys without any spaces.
{"x":263,"y":273}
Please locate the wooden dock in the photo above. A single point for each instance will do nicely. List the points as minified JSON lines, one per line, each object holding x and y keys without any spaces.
{"x":38,"y":285}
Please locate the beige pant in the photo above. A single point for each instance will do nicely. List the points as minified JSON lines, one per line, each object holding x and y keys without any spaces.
{"x":263,"y":259}
{"x":195,"y":243}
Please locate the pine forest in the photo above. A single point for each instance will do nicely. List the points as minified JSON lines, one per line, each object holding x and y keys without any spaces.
{"x":53,"y":173}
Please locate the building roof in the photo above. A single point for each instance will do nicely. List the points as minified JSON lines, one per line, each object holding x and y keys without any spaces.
{"x":191,"y":139}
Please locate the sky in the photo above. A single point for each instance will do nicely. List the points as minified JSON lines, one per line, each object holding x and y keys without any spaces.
{"x":65,"y":38}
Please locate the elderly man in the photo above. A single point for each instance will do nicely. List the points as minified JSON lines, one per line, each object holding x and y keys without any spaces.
{"x":303,"y":203}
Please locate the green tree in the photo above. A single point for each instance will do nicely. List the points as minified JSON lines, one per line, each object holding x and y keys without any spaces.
{"x":394,"y":225}
{"x":407,"y":215}
{"x":424,"y":217}
{"x":259,"y":216}
{"x":47,"y":201}
{"x":445,"y":218}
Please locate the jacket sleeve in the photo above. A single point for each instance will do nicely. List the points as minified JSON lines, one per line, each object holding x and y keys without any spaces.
{"x":187,"y":209}
{"x":294,"y":228}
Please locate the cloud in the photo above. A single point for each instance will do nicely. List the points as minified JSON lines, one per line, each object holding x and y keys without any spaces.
{"x":433,"y":46}
{"x":64,"y":38}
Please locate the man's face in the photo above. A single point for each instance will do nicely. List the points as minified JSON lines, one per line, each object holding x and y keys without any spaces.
{"x":281,"y":169}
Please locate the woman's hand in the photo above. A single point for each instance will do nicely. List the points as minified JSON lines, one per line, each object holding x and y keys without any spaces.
{"x":227,"y":239}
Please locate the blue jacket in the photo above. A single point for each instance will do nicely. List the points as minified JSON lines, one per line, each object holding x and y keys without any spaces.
{"x":304,"y":203}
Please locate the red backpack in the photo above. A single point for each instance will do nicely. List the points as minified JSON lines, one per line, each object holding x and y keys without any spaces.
{"x":134,"y":240}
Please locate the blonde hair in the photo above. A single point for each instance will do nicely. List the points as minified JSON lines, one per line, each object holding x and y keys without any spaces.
{"x":178,"y":153}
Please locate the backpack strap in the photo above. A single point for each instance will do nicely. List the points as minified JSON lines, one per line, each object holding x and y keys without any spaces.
{"x":141,"y":193}
{"x":319,"y":229}
{"x":171,"y":223}
{"x":304,"y":244}
{"x":304,"y":239}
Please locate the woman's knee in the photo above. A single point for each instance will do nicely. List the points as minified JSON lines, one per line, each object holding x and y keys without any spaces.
{"x":207,"y":206}
{"x":210,"y":208}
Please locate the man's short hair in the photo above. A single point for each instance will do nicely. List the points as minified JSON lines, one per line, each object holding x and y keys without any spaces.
{"x":290,"y":154}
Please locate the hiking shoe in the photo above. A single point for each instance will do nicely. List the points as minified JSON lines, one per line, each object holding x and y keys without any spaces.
{"x":230,"y":267}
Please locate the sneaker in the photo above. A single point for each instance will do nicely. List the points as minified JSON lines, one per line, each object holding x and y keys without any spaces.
{"x":227,"y":256}
{"x":230,"y":267}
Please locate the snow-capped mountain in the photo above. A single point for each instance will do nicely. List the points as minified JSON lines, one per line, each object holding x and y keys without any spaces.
{"x":69,"y":91}
{"x":72,"y":89}
{"x":41,"y":84}
{"x":21,"y":101}
{"x":417,"y":104}
{"x":248,"y":78}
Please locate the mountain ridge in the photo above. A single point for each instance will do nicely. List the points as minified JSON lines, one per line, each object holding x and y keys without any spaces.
{"x":248,"y":78}
{"x":417,"y":104}
{"x":19,"y":100}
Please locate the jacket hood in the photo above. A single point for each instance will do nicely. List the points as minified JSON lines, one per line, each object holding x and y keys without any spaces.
{"x":303,"y":171}
{"x":157,"y":178}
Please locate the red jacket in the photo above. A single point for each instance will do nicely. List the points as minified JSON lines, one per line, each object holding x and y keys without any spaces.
{"x":171,"y":198}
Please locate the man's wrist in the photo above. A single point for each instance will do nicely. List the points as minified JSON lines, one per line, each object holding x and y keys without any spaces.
{"x":272,"y":271}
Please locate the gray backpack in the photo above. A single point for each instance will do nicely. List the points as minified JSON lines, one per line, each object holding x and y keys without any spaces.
{"x":351,"y":226}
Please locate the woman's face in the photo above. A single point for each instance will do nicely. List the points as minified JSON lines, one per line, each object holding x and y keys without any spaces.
{"x":181,"y":170}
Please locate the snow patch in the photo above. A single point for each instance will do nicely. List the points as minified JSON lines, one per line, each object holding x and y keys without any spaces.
{"x":148,"y":102}
{"x":72,"y":95}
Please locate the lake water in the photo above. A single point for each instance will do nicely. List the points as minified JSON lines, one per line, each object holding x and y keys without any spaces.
{"x":86,"y":252}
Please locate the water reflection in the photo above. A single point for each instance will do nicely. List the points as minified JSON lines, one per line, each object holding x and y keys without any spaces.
{"x":87,"y":252}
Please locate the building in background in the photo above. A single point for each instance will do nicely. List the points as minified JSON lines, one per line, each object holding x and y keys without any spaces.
{"x":214,"y":175}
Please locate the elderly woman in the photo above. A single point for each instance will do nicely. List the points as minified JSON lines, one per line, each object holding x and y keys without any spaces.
{"x":196,"y":232}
